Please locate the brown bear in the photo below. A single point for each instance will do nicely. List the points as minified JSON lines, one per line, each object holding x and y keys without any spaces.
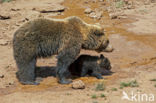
{"x":46,"y":37}
{"x":90,"y":65}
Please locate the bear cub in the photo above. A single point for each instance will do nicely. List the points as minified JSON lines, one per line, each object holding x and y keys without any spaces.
{"x":90,"y":65}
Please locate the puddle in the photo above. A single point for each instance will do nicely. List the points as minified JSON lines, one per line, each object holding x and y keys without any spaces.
{"x":76,"y":8}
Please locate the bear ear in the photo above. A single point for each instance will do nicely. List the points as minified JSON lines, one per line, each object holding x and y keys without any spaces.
{"x":101,"y":56}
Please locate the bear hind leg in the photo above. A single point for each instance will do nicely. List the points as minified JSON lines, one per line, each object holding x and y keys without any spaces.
{"x":26,"y":73}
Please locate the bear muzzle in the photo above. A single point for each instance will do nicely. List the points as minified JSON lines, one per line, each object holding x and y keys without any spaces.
{"x":105,"y":48}
{"x":109,"y":48}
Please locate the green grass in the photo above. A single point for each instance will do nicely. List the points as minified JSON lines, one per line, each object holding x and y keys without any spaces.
{"x":119,"y":4}
{"x":114,"y":89}
{"x":6,"y":0}
{"x":94,"y":96}
{"x":129,"y":84}
{"x":121,"y":87}
{"x":153,"y":80}
{"x":68,"y":94}
{"x":100,"y":87}
{"x":102,"y":95}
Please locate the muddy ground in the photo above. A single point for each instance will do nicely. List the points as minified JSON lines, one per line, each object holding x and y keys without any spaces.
{"x":131,"y":31}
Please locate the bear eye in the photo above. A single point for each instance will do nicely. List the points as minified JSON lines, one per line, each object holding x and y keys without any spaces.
{"x":97,"y":33}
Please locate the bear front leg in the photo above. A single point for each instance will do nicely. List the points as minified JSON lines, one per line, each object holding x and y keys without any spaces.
{"x":65,"y":58}
{"x":84,"y":71}
{"x":97,"y":75}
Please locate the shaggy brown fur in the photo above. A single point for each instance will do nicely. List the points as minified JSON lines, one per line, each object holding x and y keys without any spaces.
{"x":46,"y":37}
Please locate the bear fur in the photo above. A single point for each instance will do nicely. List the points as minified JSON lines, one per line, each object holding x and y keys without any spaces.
{"x":62,"y":37}
{"x":90,"y":65}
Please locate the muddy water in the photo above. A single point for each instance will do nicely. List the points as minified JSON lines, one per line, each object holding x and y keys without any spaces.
{"x":76,"y":8}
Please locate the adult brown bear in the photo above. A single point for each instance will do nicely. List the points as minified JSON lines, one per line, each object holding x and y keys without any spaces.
{"x":46,"y":37}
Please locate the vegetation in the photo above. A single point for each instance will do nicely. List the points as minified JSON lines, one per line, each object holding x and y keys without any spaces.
{"x":100,"y":87}
{"x":153,"y":80}
{"x":94,"y":96}
{"x":6,"y":0}
{"x":129,"y":84}
{"x":103,"y":95}
{"x":119,"y":4}
{"x":114,"y":89}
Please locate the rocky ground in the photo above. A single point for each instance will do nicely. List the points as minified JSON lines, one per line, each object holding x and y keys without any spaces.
{"x":130,"y":25}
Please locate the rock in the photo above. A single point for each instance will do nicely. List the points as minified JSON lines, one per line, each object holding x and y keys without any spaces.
{"x":96,"y":15}
{"x":101,"y":0}
{"x":92,"y":15}
{"x":109,"y":9}
{"x":147,"y":2}
{"x":117,"y":15}
{"x":99,"y":15}
{"x":1,"y":76}
{"x":53,"y":8}
{"x":3,"y":42}
{"x":78,"y":85}
{"x":88,"y":11}
{"x":93,"y":1}
{"x":130,"y":3}
{"x":15,"y":9}
{"x":9,"y":84}
{"x":86,"y":2}
{"x":113,"y":16}
{"x":4,"y":17}
{"x":129,"y":7}
{"x":122,"y":17}
{"x":126,"y":1}
{"x":153,"y":1}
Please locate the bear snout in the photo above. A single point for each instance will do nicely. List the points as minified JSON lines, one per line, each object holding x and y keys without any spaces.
{"x":109,"y":48}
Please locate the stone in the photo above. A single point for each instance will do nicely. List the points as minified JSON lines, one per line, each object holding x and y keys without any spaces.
{"x":122,"y":17}
{"x":78,"y":85}
{"x":52,"y":8}
{"x":4,"y":17}
{"x":88,"y":11}
{"x":113,"y":16}
{"x":1,"y":76}
{"x":96,"y":15}
{"x":153,"y":1}
{"x":101,"y":0}
{"x":3,"y":42}
{"x":93,"y":1}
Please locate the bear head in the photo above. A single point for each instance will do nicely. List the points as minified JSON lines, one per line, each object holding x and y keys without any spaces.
{"x":96,"y":39}
{"x":93,"y":35}
{"x":105,"y":65}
